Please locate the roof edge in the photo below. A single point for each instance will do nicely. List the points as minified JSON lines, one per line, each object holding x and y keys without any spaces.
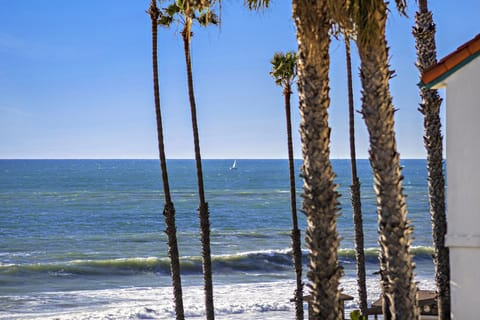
{"x":451,"y":63}
{"x":448,"y":73}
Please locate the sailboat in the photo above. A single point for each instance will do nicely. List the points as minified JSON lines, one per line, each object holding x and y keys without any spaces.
{"x":234,"y":166}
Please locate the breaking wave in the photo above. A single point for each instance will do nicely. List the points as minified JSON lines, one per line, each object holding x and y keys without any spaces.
{"x":252,"y":261}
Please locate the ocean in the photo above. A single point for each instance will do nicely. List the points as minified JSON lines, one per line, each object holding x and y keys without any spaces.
{"x":83,"y":239}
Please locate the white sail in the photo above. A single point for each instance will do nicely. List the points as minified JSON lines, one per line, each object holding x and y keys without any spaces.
{"x":234,"y":166}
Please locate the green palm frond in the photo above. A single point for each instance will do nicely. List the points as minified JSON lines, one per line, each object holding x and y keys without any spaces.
{"x":196,"y":10}
{"x":181,"y":4}
{"x":167,"y":15}
{"x":284,"y":68}
{"x":207,"y":17}
{"x":164,"y":20}
{"x":172,"y":9}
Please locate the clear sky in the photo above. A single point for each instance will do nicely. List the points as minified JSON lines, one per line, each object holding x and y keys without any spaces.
{"x":75,"y":81}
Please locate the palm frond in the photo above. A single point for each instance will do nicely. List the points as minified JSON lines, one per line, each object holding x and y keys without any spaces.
{"x":196,"y":10}
{"x":181,"y":4}
{"x":284,"y":68}
{"x":164,"y":20}
{"x":207,"y":17}
{"x":172,"y":9}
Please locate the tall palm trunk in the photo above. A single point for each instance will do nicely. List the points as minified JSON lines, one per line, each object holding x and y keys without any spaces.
{"x":296,"y":242}
{"x":320,"y":202}
{"x":203,"y":207}
{"x":394,"y":230}
{"x":169,"y":209}
{"x":355,"y":190}
{"x":424,"y":33}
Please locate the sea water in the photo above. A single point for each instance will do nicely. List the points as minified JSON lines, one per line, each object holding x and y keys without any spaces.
{"x":83,"y":239}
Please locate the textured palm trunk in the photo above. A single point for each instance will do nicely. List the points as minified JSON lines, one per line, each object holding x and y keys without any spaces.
{"x":424,"y":33}
{"x":169,"y":209}
{"x":394,"y":230}
{"x":296,"y":242}
{"x":203,"y":207}
{"x":320,"y":202}
{"x":355,"y":191}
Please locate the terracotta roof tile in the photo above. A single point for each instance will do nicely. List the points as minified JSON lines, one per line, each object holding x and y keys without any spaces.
{"x":451,"y":61}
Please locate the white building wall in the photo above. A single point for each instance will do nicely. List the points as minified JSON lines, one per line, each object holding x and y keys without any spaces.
{"x":463,"y":193}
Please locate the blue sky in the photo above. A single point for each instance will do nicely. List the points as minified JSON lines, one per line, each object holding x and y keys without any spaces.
{"x":75,"y":81}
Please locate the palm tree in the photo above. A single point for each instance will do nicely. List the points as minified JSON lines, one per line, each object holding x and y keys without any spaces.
{"x":284,"y":72}
{"x":320,"y":203}
{"x":188,"y":11}
{"x":424,"y":33}
{"x":355,"y":191}
{"x":169,"y":209}
{"x":369,"y":18}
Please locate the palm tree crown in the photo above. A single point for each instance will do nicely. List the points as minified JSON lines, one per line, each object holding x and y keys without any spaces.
{"x":187,"y":11}
{"x":284,"y":68}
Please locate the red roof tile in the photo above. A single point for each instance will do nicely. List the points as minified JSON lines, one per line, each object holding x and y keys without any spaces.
{"x":452,"y":61}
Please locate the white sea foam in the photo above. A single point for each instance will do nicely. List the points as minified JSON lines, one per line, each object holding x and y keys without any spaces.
{"x":242,"y":301}
{"x":270,"y":300}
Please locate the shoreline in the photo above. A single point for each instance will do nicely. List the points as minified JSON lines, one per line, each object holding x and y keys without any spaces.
{"x":261,"y":300}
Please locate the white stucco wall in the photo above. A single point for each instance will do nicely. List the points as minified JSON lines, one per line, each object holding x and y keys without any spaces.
{"x":463,"y":193}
